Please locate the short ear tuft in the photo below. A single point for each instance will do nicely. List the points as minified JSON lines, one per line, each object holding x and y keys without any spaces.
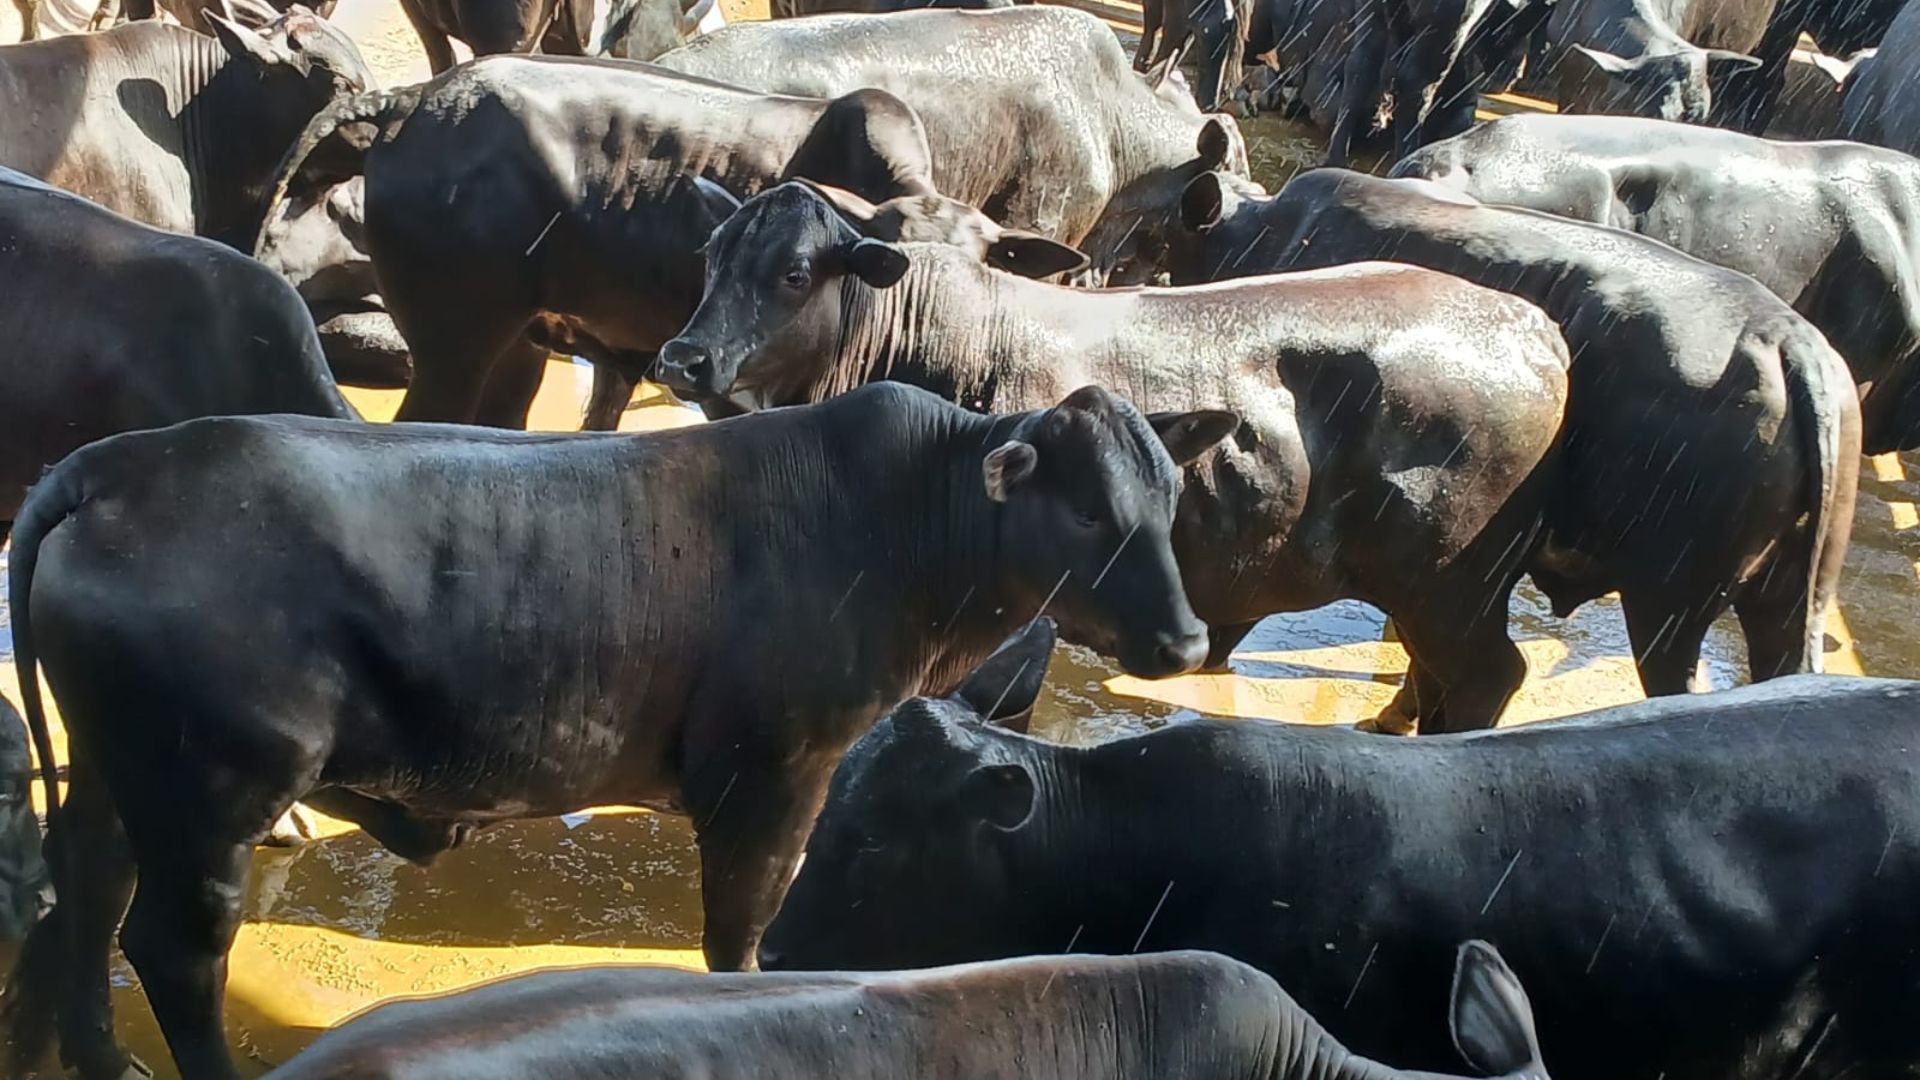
{"x":1215,"y":143}
{"x":1007,"y":466}
{"x":1491,"y":1018}
{"x":1003,"y":689}
{"x":880,"y":264}
{"x":1000,"y":795}
{"x":1032,"y":255}
{"x":1203,"y":203}
{"x":1608,"y":62}
{"x":1190,"y":434}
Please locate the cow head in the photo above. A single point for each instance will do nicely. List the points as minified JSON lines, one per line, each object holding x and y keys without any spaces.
{"x":777,"y":268}
{"x":1131,"y":242}
{"x":1672,"y":85}
{"x":908,"y":862}
{"x":1087,"y":493}
{"x":25,"y":890}
{"x":298,"y":49}
{"x":1219,"y":30}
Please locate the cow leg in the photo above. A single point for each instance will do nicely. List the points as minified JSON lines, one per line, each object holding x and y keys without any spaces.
{"x":1467,"y":674}
{"x":1666,"y":638}
{"x":64,"y":967}
{"x":186,"y":911}
{"x":511,"y":384}
{"x":1417,"y":61}
{"x":433,"y":40}
{"x":453,"y":361}
{"x":1222,"y":641}
{"x":612,"y":393}
{"x":751,"y":818}
{"x":1781,"y":638}
{"x":1149,"y":29}
{"x":1360,"y":78}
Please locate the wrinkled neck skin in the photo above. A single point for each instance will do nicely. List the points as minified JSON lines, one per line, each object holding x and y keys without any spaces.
{"x":950,"y":326}
{"x":1154,"y":138}
{"x":938,"y":536}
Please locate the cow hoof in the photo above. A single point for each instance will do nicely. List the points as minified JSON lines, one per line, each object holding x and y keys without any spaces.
{"x":294,"y":828}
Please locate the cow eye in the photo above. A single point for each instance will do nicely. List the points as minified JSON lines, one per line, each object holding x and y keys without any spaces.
{"x":797,"y":276}
{"x":1085,"y":518}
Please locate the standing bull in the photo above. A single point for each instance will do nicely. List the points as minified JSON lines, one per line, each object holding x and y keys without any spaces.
{"x":426,"y":629}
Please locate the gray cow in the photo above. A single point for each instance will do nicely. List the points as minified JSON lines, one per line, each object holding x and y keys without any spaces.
{"x":1185,"y":1015}
{"x":182,"y":131}
{"x":1033,"y":115}
{"x":1833,"y":228}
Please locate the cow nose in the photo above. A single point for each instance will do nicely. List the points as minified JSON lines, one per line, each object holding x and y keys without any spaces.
{"x":1182,"y":654}
{"x":686,"y":366}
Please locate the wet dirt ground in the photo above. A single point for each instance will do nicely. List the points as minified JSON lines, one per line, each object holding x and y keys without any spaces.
{"x":338,"y":925}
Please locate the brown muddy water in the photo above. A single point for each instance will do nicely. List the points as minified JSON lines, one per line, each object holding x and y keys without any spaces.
{"x":338,"y":925}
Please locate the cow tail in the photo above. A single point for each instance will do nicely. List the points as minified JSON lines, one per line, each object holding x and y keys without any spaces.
{"x":52,"y":501}
{"x":385,"y":109}
{"x":1821,"y":395}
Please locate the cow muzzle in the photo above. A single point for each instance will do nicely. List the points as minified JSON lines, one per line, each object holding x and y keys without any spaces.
{"x":690,"y":370}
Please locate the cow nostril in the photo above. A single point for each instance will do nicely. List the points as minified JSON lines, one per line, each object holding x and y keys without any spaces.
{"x":1182,"y":655}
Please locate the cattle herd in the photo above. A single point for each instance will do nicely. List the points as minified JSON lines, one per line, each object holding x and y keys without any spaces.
{"x":1003,"y":343}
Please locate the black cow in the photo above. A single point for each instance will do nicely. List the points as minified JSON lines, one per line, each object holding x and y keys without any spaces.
{"x":430,"y":629}
{"x":520,"y":204}
{"x":1838,"y":27}
{"x":1714,"y":886}
{"x":1657,"y":58}
{"x":1880,"y":101}
{"x":170,"y":127}
{"x":1192,"y":1015}
{"x":25,"y":886}
{"x":1394,"y":420}
{"x":492,"y":27}
{"x":1833,"y":228}
{"x":113,"y":326}
{"x":1713,"y":436}
{"x":1330,"y":56}
{"x":1033,"y":114}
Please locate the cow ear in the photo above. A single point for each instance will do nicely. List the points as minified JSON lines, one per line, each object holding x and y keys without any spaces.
{"x":857,"y":211}
{"x":1203,"y":203}
{"x":1009,"y":464}
{"x":1000,"y":795}
{"x":1215,"y":143}
{"x":1606,"y":61}
{"x":1003,"y":689}
{"x":243,"y":44}
{"x":1491,"y":1018}
{"x":720,"y":203}
{"x":1190,"y":434}
{"x":1032,"y":255}
{"x":876,"y":262}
